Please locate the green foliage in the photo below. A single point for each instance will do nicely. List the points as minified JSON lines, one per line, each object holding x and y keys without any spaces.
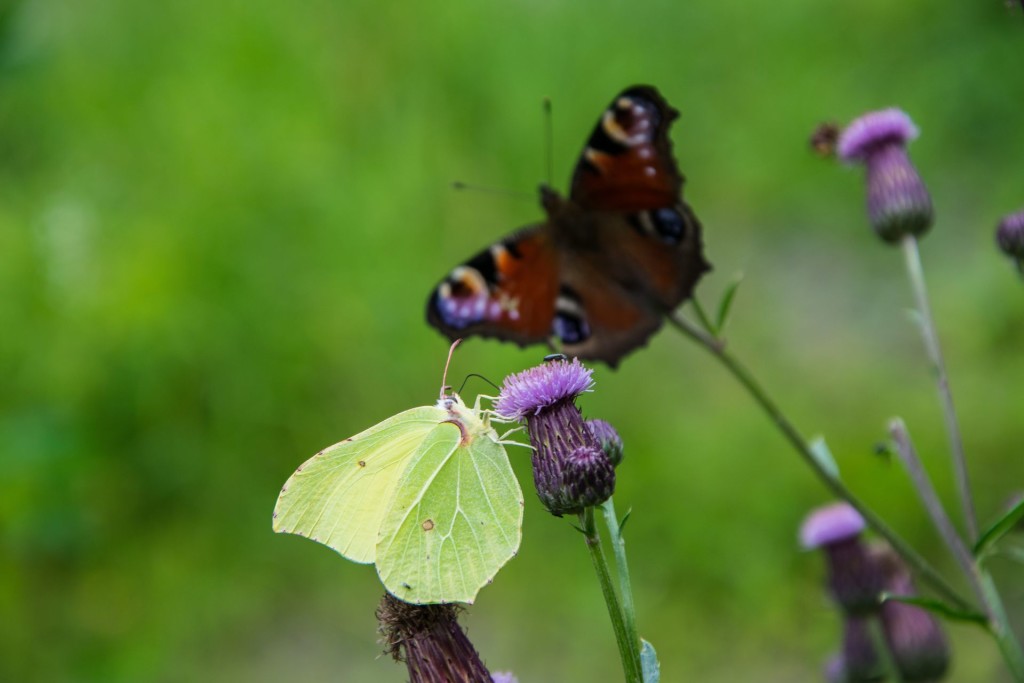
{"x":218,"y":226}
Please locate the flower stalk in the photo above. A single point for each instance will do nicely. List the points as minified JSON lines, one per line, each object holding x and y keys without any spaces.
{"x":979,"y":579}
{"x":717,"y":349}
{"x":930,"y":335}
{"x":629,"y":647}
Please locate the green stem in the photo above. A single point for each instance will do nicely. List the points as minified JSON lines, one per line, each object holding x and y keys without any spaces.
{"x":629,"y":656}
{"x":923,"y":484}
{"x":925,"y":570}
{"x":611,"y":520}
{"x":912,"y":258}
{"x":882,"y":649}
{"x":999,"y":625}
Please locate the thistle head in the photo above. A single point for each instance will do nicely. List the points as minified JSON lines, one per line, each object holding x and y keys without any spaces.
{"x":915,"y":637}
{"x":531,"y":392}
{"x":430,"y":641}
{"x":898,"y":202}
{"x":570,"y":469}
{"x":1010,"y":237}
{"x":854,"y":580}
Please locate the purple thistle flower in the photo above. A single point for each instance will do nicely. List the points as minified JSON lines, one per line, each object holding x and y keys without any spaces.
{"x":531,"y":391}
{"x":898,"y":201}
{"x":430,"y":641}
{"x":611,"y":442}
{"x":853,"y":579}
{"x":504,"y":677}
{"x":1010,"y":237}
{"x":916,"y":640}
{"x":570,"y":470}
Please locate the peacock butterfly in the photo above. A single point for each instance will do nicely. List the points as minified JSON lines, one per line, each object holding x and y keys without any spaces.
{"x":608,"y":263}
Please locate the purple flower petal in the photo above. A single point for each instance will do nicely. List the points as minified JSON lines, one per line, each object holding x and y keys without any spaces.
{"x":830,"y":524}
{"x":529,"y":392}
{"x":873,"y":130}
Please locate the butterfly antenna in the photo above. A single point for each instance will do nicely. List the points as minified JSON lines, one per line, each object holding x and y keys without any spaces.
{"x":459,"y":185}
{"x":473,"y":374}
{"x":548,"y":142}
{"x":444,"y":377}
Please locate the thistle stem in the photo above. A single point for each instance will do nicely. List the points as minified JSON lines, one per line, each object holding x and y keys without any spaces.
{"x":915,"y":272}
{"x":883,"y":650}
{"x":611,"y":520}
{"x":923,"y":568}
{"x":922,"y":482}
{"x":979,"y":578}
{"x":628,"y":652}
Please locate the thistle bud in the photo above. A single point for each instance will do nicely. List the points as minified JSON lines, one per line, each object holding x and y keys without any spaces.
{"x":1010,"y":237}
{"x":854,"y":580}
{"x":898,"y":201}
{"x":430,"y":641}
{"x":589,"y":478}
{"x":915,"y":638}
{"x":611,"y":442}
{"x":545,"y":397}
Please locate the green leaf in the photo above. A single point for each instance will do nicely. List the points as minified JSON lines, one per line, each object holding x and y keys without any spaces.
{"x":625,"y":518}
{"x":938,"y":607}
{"x":820,"y":450}
{"x":999,"y":529}
{"x":1015,"y":552}
{"x":649,"y":662}
{"x":725,"y":304}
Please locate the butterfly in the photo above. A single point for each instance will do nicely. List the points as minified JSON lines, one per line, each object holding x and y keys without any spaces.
{"x":609,"y":262}
{"x":427,"y":495}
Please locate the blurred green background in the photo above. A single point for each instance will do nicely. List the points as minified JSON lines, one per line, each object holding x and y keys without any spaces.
{"x":219,"y":222}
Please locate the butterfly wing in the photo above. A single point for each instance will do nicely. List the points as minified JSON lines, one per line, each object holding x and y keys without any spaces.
{"x":340,"y":495}
{"x":506,"y":291}
{"x":608,"y":264}
{"x":627,"y":163}
{"x":632,"y":247}
{"x":456,"y":519}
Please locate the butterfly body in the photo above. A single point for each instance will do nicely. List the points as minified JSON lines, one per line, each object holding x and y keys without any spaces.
{"x":610,"y":260}
{"x":427,"y":495}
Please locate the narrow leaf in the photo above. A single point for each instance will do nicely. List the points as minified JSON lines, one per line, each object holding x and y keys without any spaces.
{"x":1014,"y":552}
{"x":625,"y":518}
{"x":725,"y":305}
{"x":820,"y":450}
{"x":938,"y":607}
{"x":649,"y":662}
{"x":999,"y":529}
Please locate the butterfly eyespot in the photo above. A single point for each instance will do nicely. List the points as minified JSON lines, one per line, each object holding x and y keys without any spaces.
{"x":428,"y":525}
{"x":362,"y":463}
{"x":569,"y":324}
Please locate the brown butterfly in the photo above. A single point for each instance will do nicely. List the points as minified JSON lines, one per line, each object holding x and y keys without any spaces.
{"x":608,"y":263}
